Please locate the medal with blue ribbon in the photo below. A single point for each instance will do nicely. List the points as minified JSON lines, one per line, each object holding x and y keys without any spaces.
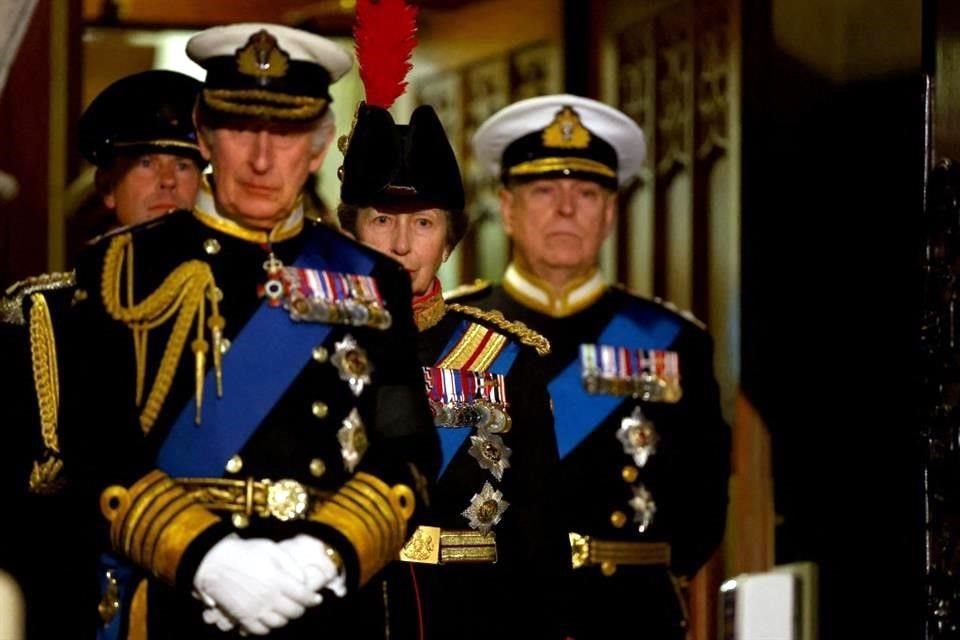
{"x":460,"y":398}
{"x":312,"y":295}
{"x":651,"y":375}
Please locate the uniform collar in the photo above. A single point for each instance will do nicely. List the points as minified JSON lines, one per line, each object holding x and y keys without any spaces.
{"x":429,"y":308}
{"x":536,"y":294}
{"x":205,"y":210}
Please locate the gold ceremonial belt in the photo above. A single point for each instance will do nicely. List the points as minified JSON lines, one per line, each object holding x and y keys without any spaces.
{"x":609,"y":554}
{"x":433,"y":545}
{"x":280,"y":499}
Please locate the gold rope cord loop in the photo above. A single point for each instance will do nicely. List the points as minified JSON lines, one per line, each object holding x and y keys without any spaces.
{"x":184,"y":293}
{"x":45,"y":474}
{"x":43,"y":352}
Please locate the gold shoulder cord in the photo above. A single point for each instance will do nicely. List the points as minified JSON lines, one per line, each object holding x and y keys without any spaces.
{"x":525,"y":334}
{"x":184,"y":292}
{"x":43,"y":354}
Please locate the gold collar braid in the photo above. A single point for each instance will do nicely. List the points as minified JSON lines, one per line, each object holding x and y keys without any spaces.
{"x":429,"y":310}
{"x":184,"y":292}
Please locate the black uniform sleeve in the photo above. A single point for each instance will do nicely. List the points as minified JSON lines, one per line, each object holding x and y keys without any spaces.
{"x":704,"y":446}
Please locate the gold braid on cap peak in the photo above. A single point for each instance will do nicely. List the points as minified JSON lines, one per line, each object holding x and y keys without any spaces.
{"x":522,"y":332}
{"x":184,"y":292}
{"x":249,"y":102}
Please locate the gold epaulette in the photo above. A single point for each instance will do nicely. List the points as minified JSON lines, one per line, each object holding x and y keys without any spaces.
{"x":11,"y":303}
{"x":666,"y":304}
{"x":465,"y":290}
{"x":520,"y":331}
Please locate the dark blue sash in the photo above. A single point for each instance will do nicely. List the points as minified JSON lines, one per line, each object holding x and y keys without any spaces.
{"x":452,"y":439}
{"x":252,"y":385}
{"x":264,"y":359}
{"x":576,"y":412}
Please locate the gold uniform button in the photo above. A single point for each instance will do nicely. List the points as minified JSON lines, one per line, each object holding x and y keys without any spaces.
{"x":607,"y":568}
{"x":618,"y":519}
{"x":317,"y":467}
{"x":320,"y":409}
{"x":320,"y":354}
{"x":224,"y":346}
{"x":240,"y":520}
{"x":630,"y":473}
{"x":234,"y":464}
{"x":211,"y":246}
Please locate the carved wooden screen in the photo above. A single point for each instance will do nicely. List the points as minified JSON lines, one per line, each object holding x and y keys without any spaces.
{"x":674,"y":68}
{"x":478,"y":90}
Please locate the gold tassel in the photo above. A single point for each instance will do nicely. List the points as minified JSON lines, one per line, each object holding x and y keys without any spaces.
{"x":216,"y":324}
{"x":200,"y":360}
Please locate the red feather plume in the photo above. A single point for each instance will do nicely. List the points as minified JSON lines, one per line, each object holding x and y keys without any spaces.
{"x":385,"y":34}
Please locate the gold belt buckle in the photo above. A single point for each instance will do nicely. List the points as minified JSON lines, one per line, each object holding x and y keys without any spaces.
{"x":579,"y":550}
{"x":286,"y":499}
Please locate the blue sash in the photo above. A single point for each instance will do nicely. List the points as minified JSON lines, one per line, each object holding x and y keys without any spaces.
{"x":452,"y":439}
{"x":576,"y":412}
{"x":252,"y":383}
{"x":252,"y":386}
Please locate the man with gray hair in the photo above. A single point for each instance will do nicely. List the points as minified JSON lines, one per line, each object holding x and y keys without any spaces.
{"x":641,"y":487}
{"x":245,"y":403}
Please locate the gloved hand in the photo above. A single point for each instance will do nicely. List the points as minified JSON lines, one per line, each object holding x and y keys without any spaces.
{"x":316,"y":560}
{"x":254,"y":583}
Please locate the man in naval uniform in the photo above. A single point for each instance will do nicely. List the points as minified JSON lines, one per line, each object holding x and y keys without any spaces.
{"x":644,"y":451}
{"x":242,"y":397}
{"x":139,"y":134}
{"x":488,"y":547}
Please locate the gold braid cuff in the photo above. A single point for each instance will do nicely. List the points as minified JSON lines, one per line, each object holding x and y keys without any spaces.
{"x":44,"y":477}
{"x":522,"y":332}
{"x":372,"y":516}
{"x":185,"y":293}
{"x":153,"y":522}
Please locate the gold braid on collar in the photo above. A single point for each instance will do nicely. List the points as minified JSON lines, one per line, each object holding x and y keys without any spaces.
{"x":185,"y":292}
{"x":522,"y":332}
{"x":429,"y":312}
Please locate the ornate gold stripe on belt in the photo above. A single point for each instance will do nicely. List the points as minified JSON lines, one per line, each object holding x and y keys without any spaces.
{"x":609,"y":554}
{"x":280,"y":499}
{"x":433,"y":545}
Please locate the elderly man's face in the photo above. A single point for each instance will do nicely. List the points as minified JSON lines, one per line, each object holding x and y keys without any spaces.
{"x":152,"y":185}
{"x":558,"y":224}
{"x":259,"y":170}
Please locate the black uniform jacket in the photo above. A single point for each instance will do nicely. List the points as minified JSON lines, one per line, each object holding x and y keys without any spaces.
{"x":109,"y":443}
{"x":598,"y":481}
{"x":33,"y":479}
{"x":514,"y":596}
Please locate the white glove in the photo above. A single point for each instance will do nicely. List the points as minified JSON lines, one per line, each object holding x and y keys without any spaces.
{"x":254,"y":583}
{"x":316,"y":560}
